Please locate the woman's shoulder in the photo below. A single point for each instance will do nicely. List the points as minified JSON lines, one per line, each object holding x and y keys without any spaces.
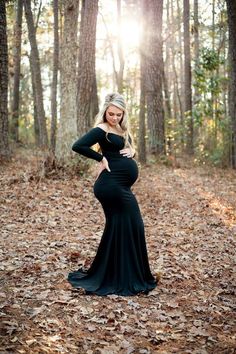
{"x":107,"y":129}
{"x":102,"y":126}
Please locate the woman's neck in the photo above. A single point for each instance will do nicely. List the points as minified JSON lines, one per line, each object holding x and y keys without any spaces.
{"x":116,"y":129}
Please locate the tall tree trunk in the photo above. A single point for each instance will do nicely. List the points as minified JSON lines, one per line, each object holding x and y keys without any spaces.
{"x":4,"y":145}
{"x":36,"y":123}
{"x":43,"y":136}
{"x":17,"y":60}
{"x":54,"y":79}
{"x":120,"y":49}
{"x":32,"y":71}
{"x":196,"y":96}
{"x":213,"y":96}
{"x":196,"y":45}
{"x":187,"y":80}
{"x":231,"y":10}
{"x":181,"y":68}
{"x":167,"y":96}
{"x":213,"y":24}
{"x":86,"y":68}
{"x":154,"y":75}
{"x":142,"y":126}
{"x":225,"y":71}
{"x":166,"y":76}
{"x":176,"y":78}
{"x":67,"y":128}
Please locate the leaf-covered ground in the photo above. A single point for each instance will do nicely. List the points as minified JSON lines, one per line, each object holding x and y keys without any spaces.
{"x":52,"y":226}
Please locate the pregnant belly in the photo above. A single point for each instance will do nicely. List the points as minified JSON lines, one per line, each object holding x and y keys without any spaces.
{"x":124,"y":172}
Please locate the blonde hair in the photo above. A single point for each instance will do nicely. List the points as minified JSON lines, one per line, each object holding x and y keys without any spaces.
{"x":116,"y":99}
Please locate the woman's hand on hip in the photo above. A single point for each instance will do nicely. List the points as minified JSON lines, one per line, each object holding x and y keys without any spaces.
{"x":103,"y":165}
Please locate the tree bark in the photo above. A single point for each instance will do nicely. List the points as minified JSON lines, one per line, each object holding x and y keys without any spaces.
{"x":196,"y":45}
{"x":142,"y":126}
{"x":213,"y":24}
{"x":120,"y":49}
{"x":154,"y":75}
{"x":43,"y":136}
{"x":167,"y":96}
{"x":17,"y":63}
{"x":142,"y":111}
{"x":231,"y":10}
{"x":86,"y":67}
{"x":181,"y":68}
{"x":213,"y":96}
{"x":188,"y":80}
{"x":67,"y":128}
{"x":54,"y":79}
{"x":4,"y":144}
{"x":36,"y":123}
{"x":166,"y":75}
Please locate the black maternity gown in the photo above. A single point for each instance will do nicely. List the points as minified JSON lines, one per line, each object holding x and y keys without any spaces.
{"x":121,"y":264}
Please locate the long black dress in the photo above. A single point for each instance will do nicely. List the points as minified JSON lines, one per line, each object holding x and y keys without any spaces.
{"x":121,"y":263}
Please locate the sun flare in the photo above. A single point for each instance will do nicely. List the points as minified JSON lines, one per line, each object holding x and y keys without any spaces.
{"x":130,"y":33}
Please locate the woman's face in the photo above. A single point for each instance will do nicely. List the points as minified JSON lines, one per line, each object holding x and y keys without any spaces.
{"x":113,"y":115}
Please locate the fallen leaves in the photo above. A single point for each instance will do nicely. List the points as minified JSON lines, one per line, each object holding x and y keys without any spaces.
{"x":50,"y":227}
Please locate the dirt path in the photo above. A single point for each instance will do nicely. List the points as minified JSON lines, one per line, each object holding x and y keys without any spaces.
{"x":50,"y":227}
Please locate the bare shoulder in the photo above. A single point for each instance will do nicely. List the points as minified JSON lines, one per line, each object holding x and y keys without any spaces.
{"x":103,"y":126}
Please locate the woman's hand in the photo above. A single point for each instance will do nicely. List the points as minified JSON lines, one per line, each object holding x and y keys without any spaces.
{"x":128,"y":152}
{"x":103,"y":165}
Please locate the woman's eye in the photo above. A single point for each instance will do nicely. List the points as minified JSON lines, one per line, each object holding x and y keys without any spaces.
{"x":112,"y":114}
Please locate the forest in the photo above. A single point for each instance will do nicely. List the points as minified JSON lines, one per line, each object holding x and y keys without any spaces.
{"x":175,"y":64}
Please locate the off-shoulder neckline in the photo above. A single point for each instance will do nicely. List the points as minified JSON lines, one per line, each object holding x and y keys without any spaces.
{"x":110,"y":132}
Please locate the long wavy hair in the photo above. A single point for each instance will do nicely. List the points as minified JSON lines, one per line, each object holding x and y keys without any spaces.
{"x":116,"y":99}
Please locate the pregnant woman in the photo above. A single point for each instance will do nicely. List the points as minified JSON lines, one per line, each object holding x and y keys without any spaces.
{"x":121,"y":264}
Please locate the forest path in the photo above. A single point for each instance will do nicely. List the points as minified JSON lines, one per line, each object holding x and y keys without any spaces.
{"x":52,"y":226}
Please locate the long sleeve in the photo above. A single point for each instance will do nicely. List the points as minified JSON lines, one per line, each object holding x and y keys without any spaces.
{"x":83,"y":144}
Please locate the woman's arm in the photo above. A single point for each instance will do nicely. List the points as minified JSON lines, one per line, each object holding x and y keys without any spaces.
{"x":83,"y":144}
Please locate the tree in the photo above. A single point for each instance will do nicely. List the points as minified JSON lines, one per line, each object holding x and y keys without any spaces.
{"x":17,"y":60}
{"x":154,"y":75}
{"x":181,"y":73}
{"x":4,"y":144}
{"x":188,"y":80}
{"x":86,"y":84}
{"x":142,"y":103}
{"x":36,"y":74}
{"x":196,"y":44}
{"x":67,"y":128}
{"x":54,"y":79}
{"x":166,"y":76}
{"x":231,"y":10}
{"x":196,"y":96}
{"x":36,"y":122}
{"x":120,"y":49}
